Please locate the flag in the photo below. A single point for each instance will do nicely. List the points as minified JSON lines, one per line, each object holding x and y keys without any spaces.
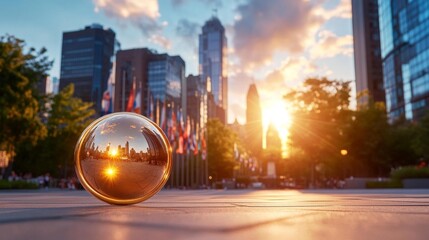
{"x":188,"y":128}
{"x":181,"y":123}
{"x":131,"y":97}
{"x":151,"y":108}
{"x":105,"y":102}
{"x":157,"y":115}
{"x":195,"y":144}
{"x":171,"y":126}
{"x":163,"y":118}
{"x":180,"y":145}
{"x":137,"y":100}
{"x":203,"y":146}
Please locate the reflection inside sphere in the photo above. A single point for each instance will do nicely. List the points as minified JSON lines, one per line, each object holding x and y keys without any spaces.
{"x":123,"y":157}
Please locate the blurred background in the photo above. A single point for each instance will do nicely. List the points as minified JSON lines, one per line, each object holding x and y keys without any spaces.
{"x":251,"y":94}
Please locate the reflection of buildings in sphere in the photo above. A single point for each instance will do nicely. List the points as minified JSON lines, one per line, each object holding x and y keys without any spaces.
{"x":156,"y":153}
{"x":123,"y":164}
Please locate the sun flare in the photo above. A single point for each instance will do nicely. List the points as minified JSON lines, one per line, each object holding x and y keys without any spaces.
{"x":113,"y":152}
{"x":110,"y":172}
{"x":277,"y":113}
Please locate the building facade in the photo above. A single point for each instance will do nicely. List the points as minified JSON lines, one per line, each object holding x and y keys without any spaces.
{"x":131,"y":80}
{"x":166,"y":76}
{"x":147,"y":83}
{"x":196,"y":106}
{"x":213,"y":63}
{"x":404,"y":32}
{"x":367,"y":54}
{"x":254,"y":121}
{"x":86,"y":61}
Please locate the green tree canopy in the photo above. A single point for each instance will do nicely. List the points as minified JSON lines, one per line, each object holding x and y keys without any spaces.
{"x":67,"y":118}
{"x":220,"y":149}
{"x":366,"y":141}
{"x":19,"y":107}
{"x":320,"y":111}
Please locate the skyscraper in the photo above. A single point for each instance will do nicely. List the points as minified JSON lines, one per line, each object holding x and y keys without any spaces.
{"x":366,"y":38}
{"x":273,"y":150}
{"x":254,"y":121}
{"x":86,"y":61}
{"x":213,"y":63}
{"x":273,"y":139}
{"x":404,"y":32}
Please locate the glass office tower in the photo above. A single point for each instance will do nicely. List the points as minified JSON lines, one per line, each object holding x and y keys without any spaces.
{"x":86,"y":61}
{"x":213,"y":64}
{"x":404,"y":33}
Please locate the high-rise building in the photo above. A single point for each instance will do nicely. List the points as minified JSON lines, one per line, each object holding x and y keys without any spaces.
{"x":254,"y":121}
{"x":273,"y":138}
{"x":195,"y":99}
{"x":166,"y":76}
{"x":146,"y":82}
{"x":86,"y":61}
{"x":55,"y":85}
{"x":131,"y":80}
{"x":366,"y":39}
{"x":404,"y":34}
{"x":43,"y":84}
{"x":213,"y":64}
{"x":273,"y":151}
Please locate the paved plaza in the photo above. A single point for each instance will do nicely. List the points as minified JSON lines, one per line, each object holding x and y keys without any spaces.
{"x":218,"y":214}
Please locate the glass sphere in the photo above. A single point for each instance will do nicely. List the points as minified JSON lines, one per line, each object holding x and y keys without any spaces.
{"x":123,"y":158}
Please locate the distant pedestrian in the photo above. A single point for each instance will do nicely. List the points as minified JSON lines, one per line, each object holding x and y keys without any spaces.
{"x":46,"y":180}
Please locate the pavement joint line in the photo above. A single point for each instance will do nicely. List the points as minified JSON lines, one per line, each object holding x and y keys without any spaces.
{"x":192,"y":229}
{"x":44,"y":218}
{"x":364,"y":211}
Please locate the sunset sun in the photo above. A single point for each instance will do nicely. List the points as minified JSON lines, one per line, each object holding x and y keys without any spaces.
{"x":277,"y":113}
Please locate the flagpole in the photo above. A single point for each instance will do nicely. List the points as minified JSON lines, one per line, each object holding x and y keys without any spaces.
{"x":123,"y":89}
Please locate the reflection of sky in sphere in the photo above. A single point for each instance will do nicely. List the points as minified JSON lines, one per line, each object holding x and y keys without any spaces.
{"x":118,"y":130}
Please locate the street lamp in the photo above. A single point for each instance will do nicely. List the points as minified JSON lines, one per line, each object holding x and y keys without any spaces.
{"x":344,"y":154}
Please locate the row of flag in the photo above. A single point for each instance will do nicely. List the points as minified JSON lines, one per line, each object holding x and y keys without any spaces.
{"x":185,"y":137}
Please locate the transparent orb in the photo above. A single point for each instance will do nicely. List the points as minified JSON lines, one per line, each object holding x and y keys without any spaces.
{"x":123,"y":158}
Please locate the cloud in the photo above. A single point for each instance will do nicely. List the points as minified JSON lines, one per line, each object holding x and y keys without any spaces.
{"x":290,"y":74}
{"x":342,"y":10}
{"x":262,"y":29}
{"x":141,"y":14}
{"x":330,"y":45}
{"x":238,"y":84}
{"x":238,"y":112}
{"x":215,"y":3}
{"x":188,"y":31}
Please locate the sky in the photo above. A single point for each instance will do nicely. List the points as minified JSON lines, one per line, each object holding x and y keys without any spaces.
{"x":275,"y":44}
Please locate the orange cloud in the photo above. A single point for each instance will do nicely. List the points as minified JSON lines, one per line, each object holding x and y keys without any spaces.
{"x":330,"y":45}
{"x":263,"y":28}
{"x":142,"y":14}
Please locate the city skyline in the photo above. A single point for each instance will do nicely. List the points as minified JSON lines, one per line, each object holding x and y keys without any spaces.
{"x":168,"y":26}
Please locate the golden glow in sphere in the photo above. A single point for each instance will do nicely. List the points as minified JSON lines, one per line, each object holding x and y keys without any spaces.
{"x":123,"y":158}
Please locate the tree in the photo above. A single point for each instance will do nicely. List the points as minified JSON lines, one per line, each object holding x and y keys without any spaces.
{"x":220,"y":149}
{"x":321,"y":111}
{"x":68,"y":117}
{"x":366,"y":141}
{"x":19,"y":107}
{"x":420,"y":143}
